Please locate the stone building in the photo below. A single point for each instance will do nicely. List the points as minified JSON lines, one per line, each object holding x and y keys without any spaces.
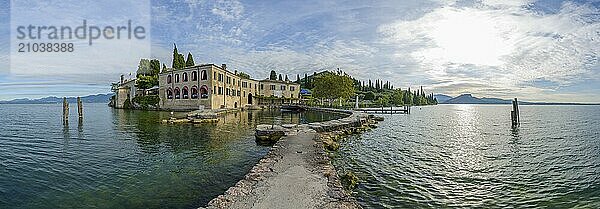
{"x":125,"y":91}
{"x":276,"y":92}
{"x":210,"y":86}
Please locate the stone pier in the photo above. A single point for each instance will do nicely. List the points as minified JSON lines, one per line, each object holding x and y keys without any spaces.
{"x":296,"y":173}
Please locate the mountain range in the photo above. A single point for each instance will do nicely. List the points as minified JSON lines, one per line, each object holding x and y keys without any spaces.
{"x":98,"y":98}
{"x":470,"y":99}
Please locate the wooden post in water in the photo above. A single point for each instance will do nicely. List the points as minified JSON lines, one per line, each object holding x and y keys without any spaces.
{"x":65,"y":110}
{"x":79,"y":108}
{"x":514,"y":114}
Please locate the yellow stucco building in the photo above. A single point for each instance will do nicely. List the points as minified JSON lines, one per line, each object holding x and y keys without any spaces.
{"x":210,"y":86}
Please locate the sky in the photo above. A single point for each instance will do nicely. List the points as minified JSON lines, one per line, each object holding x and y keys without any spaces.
{"x":544,"y":50}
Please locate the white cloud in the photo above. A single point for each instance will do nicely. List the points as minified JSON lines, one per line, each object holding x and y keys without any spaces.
{"x":228,"y":10}
{"x":501,"y":45}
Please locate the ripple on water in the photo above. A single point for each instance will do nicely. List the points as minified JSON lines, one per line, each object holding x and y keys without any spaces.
{"x":469,"y":156}
{"x":124,"y":159}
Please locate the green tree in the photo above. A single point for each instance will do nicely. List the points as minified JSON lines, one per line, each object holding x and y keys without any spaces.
{"x":181,"y":61}
{"x":144,"y":68}
{"x":146,"y":74}
{"x":408,"y":97}
{"x":382,"y":100}
{"x":332,"y":87}
{"x":397,"y":97}
{"x":281,"y":79}
{"x":243,"y":75}
{"x":175,"y":63}
{"x":190,"y":60}
{"x":369,"y":96}
{"x":273,"y":75}
{"x":155,"y":66}
{"x":146,"y":81}
{"x":178,"y":60}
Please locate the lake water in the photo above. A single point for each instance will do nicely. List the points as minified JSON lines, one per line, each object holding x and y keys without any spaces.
{"x":124,"y":159}
{"x":470,"y":156}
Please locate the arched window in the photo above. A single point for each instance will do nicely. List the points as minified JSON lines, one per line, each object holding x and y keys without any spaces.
{"x":185,"y":77}
{"x":203,"y":75}
{"x":169,"y":79}
{"x":194,"y":92}
{"x":176,"y":78}
{"x":184,"y":92}
{"x":177,"y":96}
{"x":194,"y":76}
{"x":169,"y":93}
{"x":203,"y":92}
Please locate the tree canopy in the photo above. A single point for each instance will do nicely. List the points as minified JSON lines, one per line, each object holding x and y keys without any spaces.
{"x":333,"y":86}
{"x":147,"y":73}
{"x":374,"y":92}
{"x":243,"y":75}
{"x":144,"y":68}
{"x":178,"y":60}
{"x":190,"y":60}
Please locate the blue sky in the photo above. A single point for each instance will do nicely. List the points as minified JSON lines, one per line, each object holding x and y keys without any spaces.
{"x":544,"y":50}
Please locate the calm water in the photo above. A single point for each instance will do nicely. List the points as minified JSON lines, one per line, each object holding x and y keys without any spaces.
{"x":469,"y":156}
{"x":124,"y":159}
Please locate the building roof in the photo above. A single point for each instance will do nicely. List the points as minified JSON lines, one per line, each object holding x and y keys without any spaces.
{"x":126,"y":82}
{"x":278,"y":81}
{"x":169,"y":70}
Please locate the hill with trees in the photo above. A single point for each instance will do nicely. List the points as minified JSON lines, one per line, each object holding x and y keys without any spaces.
{"x":342,"y":88}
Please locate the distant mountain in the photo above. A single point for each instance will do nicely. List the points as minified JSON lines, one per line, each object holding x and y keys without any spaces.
{"x":441,"y":98}
{"x":497,"y":101}
{"x":98,"y":98}
{"x":465,"y":99}
{"x":469,"y":99}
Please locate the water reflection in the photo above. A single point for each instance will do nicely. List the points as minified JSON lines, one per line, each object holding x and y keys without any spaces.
{"x":469,"y":156}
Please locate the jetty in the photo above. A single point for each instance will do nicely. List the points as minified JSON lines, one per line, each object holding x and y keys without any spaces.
{"x":297,"y":171}
{"x":385,"y":110}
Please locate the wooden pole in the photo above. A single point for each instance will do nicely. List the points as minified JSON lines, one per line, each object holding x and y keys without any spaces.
{"x":514,"y":114}
{"x":65,"y":110}
{"x":79,"y":107}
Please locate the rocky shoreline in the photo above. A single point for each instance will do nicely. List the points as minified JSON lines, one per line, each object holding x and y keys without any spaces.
{"x":297,"y":172}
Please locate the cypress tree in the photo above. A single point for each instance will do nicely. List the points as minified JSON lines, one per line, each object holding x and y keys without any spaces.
{"x":190,"y":60}
{"x":175,"y":63}
{"x":273,"y":75}
{"x":305,"y":82}
{"x":181,"y":61}
{"x":178,"y":59}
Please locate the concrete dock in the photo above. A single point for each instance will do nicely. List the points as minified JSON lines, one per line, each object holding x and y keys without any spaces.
{"x":296,"y":173}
